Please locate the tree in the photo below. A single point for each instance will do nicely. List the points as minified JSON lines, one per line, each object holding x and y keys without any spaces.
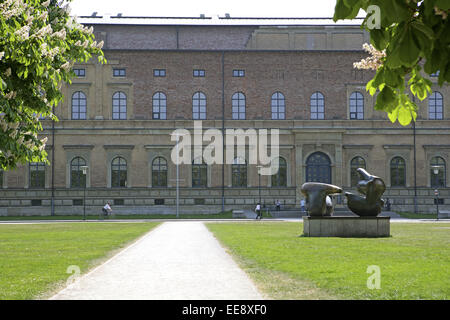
{"x":409,"y":38}
{"x":39,"y":43}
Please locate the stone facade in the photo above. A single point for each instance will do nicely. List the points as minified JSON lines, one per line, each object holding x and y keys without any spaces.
{"x":296,"y":60}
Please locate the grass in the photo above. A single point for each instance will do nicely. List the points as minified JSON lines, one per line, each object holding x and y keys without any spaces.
{"x":414,"y":262}
{"x":412,"y":215}
{"x":221,"y":215}
{"x":34,"y":258}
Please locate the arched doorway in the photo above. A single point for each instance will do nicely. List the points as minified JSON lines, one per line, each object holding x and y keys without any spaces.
{"x":318,"y":168}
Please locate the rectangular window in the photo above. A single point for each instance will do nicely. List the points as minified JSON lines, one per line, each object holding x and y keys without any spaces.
{"x":36,"y":202}
{"x":440,"y":201}
{"x":118,"y":202}
{"x":159,"y":72}
{"x":239,"y":73}
{"x":80,"y":72}
{"x":159,"y":202}
{"x":77,"y":202}
{"x":199,"y":73}
{"x":199,"y":201}
{"x":119,"y":72}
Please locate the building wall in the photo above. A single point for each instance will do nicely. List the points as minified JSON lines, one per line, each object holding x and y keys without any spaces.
{"x":297,"y":72}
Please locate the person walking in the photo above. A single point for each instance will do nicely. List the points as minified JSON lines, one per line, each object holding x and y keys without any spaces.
{"x":302,"y":205}
{"x":278,"y":204}
{"x":258,"y":211}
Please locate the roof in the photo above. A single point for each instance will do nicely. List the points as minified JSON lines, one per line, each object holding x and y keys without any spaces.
{"x":215,"y":21}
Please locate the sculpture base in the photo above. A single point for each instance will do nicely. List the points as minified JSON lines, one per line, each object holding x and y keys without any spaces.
{"x":350,"y":227}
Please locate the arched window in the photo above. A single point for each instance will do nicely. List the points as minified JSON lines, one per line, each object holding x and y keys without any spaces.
{"x":357,"y":162}
{"x":438,"y":172}
{"x":436,"y":106}
{"x":118,"y":172}
{"x":119,"y":104}
{"x":159,"y":106}
{"x":37,"y":175}
{"x":279,"y":179}
{"x":77,"y":178}
{"x":398,"y":172}
{"x":199,"y":106}
{"x":238,"y":106}
{"x":199,"y":173}
{"x":317,"y":102}
{"x":356,"y":106}
{"x":159,"y":172}
{"x":318,"y":168}
{"x":239,"y":172}
{"x":278,"y":106}
{"x":79,"y":106}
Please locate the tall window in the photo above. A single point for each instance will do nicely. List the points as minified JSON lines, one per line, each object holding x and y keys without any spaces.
{"x":357,"y":162}
{"x":318,"y":168}
{"x":159,"y":172}
{"x":279,"y":179}
{"x":199,"y":106}
{"x":159,"y":106}
{"x":356,"y":106}
{"x":278,"y":106}
{"x":79,"y":106}
{"x":398,"y":172}
{"x":199,"y":173}
{"x":438,"y":179}
{"x":239,"y":172}
{"x":37,"y":175}
{"x":317,"y":102}
{"x":1,"y":178}
{"x":119,"y":104}
{"x":238,"y":106}
{"x":436,"y":106}
{"x":118,"y":172}
{"x":77,"y":178}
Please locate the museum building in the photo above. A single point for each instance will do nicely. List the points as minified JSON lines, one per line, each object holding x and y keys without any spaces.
{"x":113,"y":138}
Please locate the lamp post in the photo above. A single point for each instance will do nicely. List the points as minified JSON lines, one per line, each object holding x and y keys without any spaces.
{"x":85,"y":169}
{"x":259,"y":186}
{"x":178,"y":135}
{"x":436,"y":191}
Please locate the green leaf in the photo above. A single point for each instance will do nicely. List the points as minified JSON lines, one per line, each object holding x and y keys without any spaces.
{"x":341,"y":11}
{"x":404,"y":116}
{"x":443,"y":4}
{"x":409,"y":53}
{"x":393,"y":115}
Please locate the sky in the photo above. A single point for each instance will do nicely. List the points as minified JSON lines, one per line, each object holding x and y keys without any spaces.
{"x":193,"y":8}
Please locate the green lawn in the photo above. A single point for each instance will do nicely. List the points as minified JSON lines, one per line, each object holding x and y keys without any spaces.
{"x":414,"y":262}
{"x":34,"y":257}
{"x":412,"y":215}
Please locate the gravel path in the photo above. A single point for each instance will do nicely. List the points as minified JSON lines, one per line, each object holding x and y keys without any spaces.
{"x":177,"y":260}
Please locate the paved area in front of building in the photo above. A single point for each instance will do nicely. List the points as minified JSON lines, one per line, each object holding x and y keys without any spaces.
{"x":177,"y":260}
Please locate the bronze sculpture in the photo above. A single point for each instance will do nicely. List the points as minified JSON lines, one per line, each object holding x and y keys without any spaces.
{"x":316,"y":193}
{"x":372,"y":187}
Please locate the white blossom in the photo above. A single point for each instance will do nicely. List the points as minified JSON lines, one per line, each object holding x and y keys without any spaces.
{"x":2,"y":54}
{"x":23,"y":33}
{"x":46,"y":3}
{"x":8,"y":72}
{"x":374,"y":61}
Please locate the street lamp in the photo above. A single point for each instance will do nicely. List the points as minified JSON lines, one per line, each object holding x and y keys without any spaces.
{"x":436,"y":191}
{"x":259,"y":185}
{"x":85,"y":169}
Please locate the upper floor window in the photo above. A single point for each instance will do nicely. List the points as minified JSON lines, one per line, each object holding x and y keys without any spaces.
{"x":159,"y":106}
{"x":80,"y":72}
{"x":278,"y":106}
{"x":118,"y":172}
{"x":159,"y":172}
{"x":317,"y":106}
{"x":436,"y":106}
{"x":398,"y":172}
{"x":356,"y":106}
{"x":238,"y":106}
{"x":199,"y":73}
{"x":37,"y":175}
{"x":199,"y":106}
{"x":79,"y":106}
{"x":119,"y":72}
{"x":357,"y":162}
{"x":77,"y":177}
{"x":119,"y":106}
{"x":159,"y":72}
{"x":239,"y":73}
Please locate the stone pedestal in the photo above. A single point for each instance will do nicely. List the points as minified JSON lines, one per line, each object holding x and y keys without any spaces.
{"x":351,"y":227}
